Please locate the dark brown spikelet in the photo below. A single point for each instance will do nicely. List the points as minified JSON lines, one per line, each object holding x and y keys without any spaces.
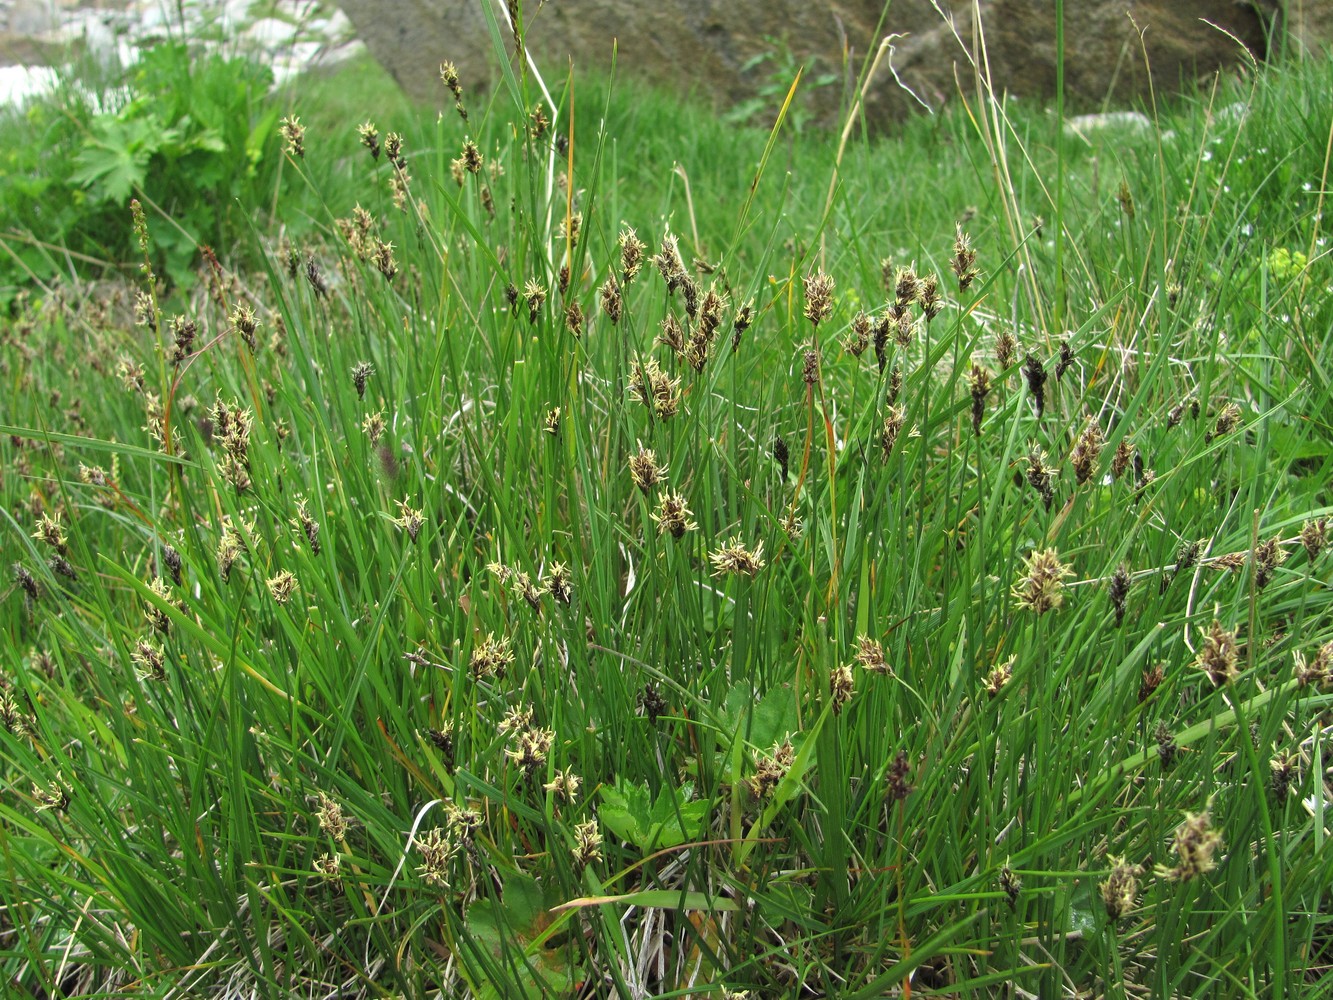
{"x":1219,"y":655}
{"x":1086,"y":452}
{"x":534,"y":294}
{"x":906,"y":287}
{"x":882,"y":326}
{"x":895,"y":384}
{"x":1006,"y":349}
{"x":1285,"y":768}
{"x":1187,"y":557}
{"x":1117,"y":591}
{"x":1228,"y":419}
{"x":667,"y":259}
{"x":1126,"y":199}
{"x":443,"y":740}
{"x":370,"y":138}
{"x":780,"y":455}
{"x":1314,"y":537}
{"x":1034,"y":372}
{"x":1267,"y":556}
{"x":899,"y":771}
{"x":651,"y":703}
{"x":645,"y":471}
{"x":1166,"y":746}
{"x":978,"y":381}
{"x":1041,"y":476}
{"x":538,"y":123}
{"x":449,"y":75}
{"x":293,"y":134}
{"x":810,"y":368}
{"x":560,"y":584}
{"x":61,"y":566}
{"x":893,"y":425}
{"x":172,"y":560}
{"x":818,"y":297}
{"x":672,"y":335}
{"x":1066,"y":359}
{"x":740,"y":323}
{"x":859,"y":339}
{"x":1177,"y":413}
{"x":1150,"y":681}
{"x":904,"y":330}
{"x":929,"y":297}
{"x":964,"y":260}
{"x":1124,"y":455}
{"x":1011,"y":884}
{"x":574,"y":319}
{"x":315,"y":275}
{"x":361,"y":373}
{"x":612,"y":302}
{"x":1121,"y":889}
{"x":183,"y":332}
{"x":393,"y":149}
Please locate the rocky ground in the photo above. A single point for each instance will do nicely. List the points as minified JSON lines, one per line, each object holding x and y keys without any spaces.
{"x":39,"y":36}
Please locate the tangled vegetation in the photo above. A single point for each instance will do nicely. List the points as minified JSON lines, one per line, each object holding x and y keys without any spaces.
{"x":706,"y":566}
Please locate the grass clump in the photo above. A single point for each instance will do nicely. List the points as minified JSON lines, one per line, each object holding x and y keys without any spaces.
{"x":532,"y":582}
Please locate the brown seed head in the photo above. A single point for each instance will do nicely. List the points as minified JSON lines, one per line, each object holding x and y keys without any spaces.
{"x":1267,"y":556}
{"x":818,"y":296}
{"x":645,"y":471}
{"x":491,"y":657}
{"x":893,"y":425}
{"x":870,"y":655}
{"x":1123,"y":457}
{"x":534,"y":294}
{"x":979,"y":383}
{"x":1195,"y":843}
{"x":1117,"y":591}
{"x":437,"y":851}
{"x":840,"y":687}
{"x":1228,"y":419}
{"x":1121,"y":889}
{"x":964,"y":259}
{"x":771,"y":768}
{"x":1000,"y":675}
{"x":929,"y":297}
{"x":859,"y":339}
{"x":810,"y":368}
{"x":1087,"y":450}
{"x":611,"y":300}
{"x":1034,"y":372}
{"x":1218,"y":655}
{"x":899,"y":771}
{"x":735,"y":559}
{"x":906,"y":288}
{"x":293,"y":134}
{"x":1041,"y":587}
{"x":672,"y":516}
{"x":1314,"y":537}
{"x":370,"y":138}
{"x":282,"y":586}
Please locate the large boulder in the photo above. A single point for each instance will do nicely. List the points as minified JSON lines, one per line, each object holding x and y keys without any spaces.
{"x":729,"y":50}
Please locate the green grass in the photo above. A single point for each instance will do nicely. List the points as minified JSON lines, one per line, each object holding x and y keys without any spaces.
{"x":235,"y":783}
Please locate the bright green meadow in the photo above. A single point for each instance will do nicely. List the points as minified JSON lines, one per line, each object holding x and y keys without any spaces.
{"x":567,"y":542}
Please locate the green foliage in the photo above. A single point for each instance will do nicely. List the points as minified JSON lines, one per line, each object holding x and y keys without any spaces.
{"x":186,"y":131}
{"x":632,"y":814}
{"x":348,"y":541}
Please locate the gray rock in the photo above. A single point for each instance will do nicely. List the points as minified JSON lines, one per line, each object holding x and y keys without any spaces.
{"x":731,"y":50}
